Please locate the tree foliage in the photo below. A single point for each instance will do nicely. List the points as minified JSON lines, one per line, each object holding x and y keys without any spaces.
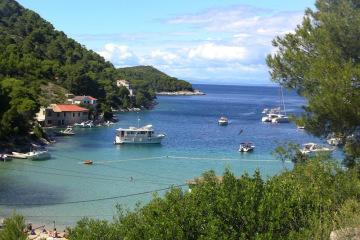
{"x":14,"y":228}
{"x":307,"y":202}
{"x":321,"y":60}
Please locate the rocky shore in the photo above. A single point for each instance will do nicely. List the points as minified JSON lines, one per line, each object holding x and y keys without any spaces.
{"x":181,"y":93}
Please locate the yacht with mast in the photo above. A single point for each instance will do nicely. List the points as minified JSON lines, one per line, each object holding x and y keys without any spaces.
{"x":274,"y":115}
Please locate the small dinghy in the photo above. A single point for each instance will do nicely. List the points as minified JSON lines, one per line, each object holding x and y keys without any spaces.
{"x":67,"y":132}
{"x":88,"y":162}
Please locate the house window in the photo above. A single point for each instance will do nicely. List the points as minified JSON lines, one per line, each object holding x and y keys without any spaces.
{"x":59,"y":122}
{"x":78,"y":114}
{"x":58,"y":114}
{"x":64,"y":114}
{"x":73,"y":114}
{"x":49,"y":113}
{"x":62,"y":122}
{"x":49,"y":122}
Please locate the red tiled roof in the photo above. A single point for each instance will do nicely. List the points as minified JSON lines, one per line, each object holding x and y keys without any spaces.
{"x":80,"y":98}
{"x":68,"y":108}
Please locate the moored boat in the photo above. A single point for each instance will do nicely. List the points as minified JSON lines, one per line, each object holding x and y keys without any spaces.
{"x":246,"y":147}
{"x":312,"y":148}
{"x":38,"y":155}
{"x":66,"y":132}
{"x":223,"y":121}
{"x":140,"y":135}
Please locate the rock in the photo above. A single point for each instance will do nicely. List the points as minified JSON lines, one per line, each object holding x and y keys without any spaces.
{"x":345,"y":234}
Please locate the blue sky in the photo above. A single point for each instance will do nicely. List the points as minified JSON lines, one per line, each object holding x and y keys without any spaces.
{"x":203,"y":41}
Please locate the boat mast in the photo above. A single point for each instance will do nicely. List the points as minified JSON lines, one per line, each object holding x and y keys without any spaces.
{"x":282,"y":99}
{"x":138,"y":120}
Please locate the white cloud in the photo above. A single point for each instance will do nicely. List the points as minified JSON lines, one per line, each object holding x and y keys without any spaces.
{"x":119,"y":55}
{"x":163,"y":56}
{"x":211,"y":51}
{"x":221,"y":45}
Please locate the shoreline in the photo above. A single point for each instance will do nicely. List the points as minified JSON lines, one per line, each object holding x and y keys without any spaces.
{"x":182,"y":93}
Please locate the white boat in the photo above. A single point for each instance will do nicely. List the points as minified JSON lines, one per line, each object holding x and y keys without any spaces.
{"x":274,"y":115}
{"x":86,"y":124}
{"x":33,"y":155}
{"x":67,"y":132}
{"x":18,"y":155}
{"x":223,"y":121}
{"x":311,"y":148}
{"x":139,"y":135}
{"x":246,"y":147}
{"x":280,"y":118}
{"x":38,"y":155}
{"x":335,"y":141}
{"x":269,"y":117}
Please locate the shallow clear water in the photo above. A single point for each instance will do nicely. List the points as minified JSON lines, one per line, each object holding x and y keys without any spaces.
{"x":194,"y":144}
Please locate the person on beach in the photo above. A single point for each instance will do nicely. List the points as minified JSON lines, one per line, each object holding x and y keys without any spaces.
{"x":55,"y":233}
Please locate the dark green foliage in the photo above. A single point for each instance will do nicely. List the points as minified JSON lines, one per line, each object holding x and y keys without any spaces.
{"x":307,"y":202}
{"x":321,"y":61}
{"x":18,"y":106}
{"x":14,"y":228}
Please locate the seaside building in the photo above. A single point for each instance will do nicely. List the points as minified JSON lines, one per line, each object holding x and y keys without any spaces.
{"x":85,"y":100}
{"x":61,"y":115}
{"x":124,"y":83}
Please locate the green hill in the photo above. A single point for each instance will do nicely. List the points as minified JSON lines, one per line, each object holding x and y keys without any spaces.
{"x":151,"y":78}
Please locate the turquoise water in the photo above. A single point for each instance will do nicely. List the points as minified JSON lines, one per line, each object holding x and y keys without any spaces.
{"x":194,"y":144}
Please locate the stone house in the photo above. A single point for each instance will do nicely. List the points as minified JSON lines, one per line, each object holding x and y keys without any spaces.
{"x":62,"y":115}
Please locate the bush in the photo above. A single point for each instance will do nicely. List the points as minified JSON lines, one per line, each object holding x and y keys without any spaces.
{"x":13,"y":228}
{"x":299,"y":204}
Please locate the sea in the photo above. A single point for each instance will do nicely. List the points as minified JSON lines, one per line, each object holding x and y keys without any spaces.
{"x":62,"y":190}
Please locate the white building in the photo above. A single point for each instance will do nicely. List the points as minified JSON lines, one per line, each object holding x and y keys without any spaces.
{"x":124,"y":83}
{"x":85,"y":100}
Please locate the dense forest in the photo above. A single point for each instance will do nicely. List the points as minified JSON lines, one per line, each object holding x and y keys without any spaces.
{"x":36,"y":59}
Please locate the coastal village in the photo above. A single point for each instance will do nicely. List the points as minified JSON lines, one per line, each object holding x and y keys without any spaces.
{"x":202,"y":120}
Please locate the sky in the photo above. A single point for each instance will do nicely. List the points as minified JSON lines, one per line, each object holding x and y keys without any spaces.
{"x":201,"y":41}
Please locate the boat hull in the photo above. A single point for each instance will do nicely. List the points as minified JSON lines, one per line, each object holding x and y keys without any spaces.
{"x":139,"y":140}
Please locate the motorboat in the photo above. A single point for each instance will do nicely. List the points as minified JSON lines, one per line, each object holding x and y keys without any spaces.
{"x":4,"y":157}
{"x":86,"y":124}
{"x":223,"y":121}
{"x":138,"y":135}
{"x":66,"y":132}
{"x":269,"y":117}
{"x":280,"y":118}
{"x":311,"y":148}
{"x":335,"y":141}
{"x":38,"y":155}
{"x":246,"y":147}
{"x":18,"y":155}
{"x":32,"y":155}
{"x":88,"y":162}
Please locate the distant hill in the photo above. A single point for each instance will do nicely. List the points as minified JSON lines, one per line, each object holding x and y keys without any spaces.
{"x":150,"y":77}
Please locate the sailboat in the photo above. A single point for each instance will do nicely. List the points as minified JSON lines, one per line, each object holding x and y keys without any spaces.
{"x":277,"y":117}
